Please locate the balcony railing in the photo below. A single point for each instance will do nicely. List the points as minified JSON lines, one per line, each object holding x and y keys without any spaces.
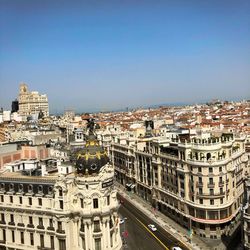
{"x":199,"y":184}
{"x":221,"y":183}
{"x":211,"y":185}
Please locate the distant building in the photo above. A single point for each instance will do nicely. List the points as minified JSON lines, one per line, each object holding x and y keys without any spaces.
{"x":32,"y":103}
{"x":14,"y":106}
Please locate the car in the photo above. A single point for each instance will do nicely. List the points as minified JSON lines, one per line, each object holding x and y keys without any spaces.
{"x":152,"y":227}
{"x":176,"y":248}
{"x":122,"y":220}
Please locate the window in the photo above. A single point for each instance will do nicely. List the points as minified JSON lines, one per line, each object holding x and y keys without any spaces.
{"x":40,"y":202}
{"x":199,"y":169}
{"x":200,"y":179}
{"x":30,"y":220}
{"x":42,"y":240}
{"x":51,"y":222}
{"x":211,"y":202}
{"x":31,"y":239}
{"x":220,"y":179}
{"x":97,"y":226}
{"x":2,"y":198}
{"x":13,"y":236}
{"x":98,"y":244}
{"x":220,"y":169}
{"x":40,"y":221}
{"x":61,"y":204}
{"x":22,"y":237}
{"x":60,"y":192}
{"x":2,"y":217}
{"x":82,"y":204}
{"x":200,"y":190}
{"x":108,"y":200}
{"x":11,"y":199}
{"x":21,"y":200}
{"x":221,"y":200}
{"x":95,"y":203}
{"x":12,"y":186}
{"x":52,"y":243}
{"x":20,"y":188}
{"x":201,"y":201}
{"x":210,"y":170}
{"x":4,"y":235}
{"x":210,"y":180}
{"x":211,"y":191}
{"x":221,"y":190}
{"x":12,"y":218}
{"x":40,"y":188}
{"x":30,"y":201}
{"x":59,"y":225}
{"x":62,"y":244}
{"x":30,"y":188}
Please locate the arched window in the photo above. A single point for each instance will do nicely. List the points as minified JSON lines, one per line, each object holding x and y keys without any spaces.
{"x":40,"y":189}
{"x":30,"y":188}
{"x":20,"y":187}
{"x":11,"y":186}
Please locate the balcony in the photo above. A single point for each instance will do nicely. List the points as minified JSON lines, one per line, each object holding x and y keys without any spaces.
{"x":50,"y":228}
{"x":60,"y":231}
{"x":214,"y":195}
{"x":199,"y":184}
{"x":20,"y":224}
{"x":221,"y":184}
{"x":211,"y":185}
{"x":12,"y":223}
{"x":2,"y":222}
{"x":30,"y":226}
{"x":41,"y":227}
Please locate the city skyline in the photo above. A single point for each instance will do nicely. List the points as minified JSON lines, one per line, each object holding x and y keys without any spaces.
{"x":92,"y":56}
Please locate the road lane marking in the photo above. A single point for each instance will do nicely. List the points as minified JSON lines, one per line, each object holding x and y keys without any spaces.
{"x":152,"y":234}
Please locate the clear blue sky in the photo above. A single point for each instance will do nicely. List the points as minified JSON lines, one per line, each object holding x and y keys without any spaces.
{"x":99,"y":55}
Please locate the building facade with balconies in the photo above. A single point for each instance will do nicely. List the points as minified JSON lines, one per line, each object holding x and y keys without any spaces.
{"x":75,"y":211}
{"x":197,"y":182}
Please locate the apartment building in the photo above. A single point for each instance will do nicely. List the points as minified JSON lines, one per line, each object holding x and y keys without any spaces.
{"x":196,"y":181}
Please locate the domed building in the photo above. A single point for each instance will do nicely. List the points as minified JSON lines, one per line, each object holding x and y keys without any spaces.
{"x":76,"y":211}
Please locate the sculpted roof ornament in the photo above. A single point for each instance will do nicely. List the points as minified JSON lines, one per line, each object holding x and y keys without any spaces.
{"x":90,"y":159}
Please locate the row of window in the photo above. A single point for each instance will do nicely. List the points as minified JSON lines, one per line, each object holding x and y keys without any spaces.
{"x":62,"y":242}
{"x":61,"y":204}
{"x":10,"y":187}
{"x":40,"y":221}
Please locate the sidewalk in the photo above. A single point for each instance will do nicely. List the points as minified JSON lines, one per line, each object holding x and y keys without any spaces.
{"x":168,"y":224}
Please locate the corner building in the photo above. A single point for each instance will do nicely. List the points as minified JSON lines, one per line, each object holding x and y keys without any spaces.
{"x":197,"y":182}
{"x":77,"y":211}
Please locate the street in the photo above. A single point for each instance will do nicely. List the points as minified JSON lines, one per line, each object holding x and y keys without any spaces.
{"x":137,"y":234}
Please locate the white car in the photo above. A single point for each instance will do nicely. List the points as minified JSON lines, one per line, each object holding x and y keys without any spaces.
{"x":152,"y":227}
{"x":122,"y":220}
{"x":176,"y":248}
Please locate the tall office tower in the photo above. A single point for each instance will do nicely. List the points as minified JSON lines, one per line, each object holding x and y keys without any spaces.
{"x":76,"y":211}
{"x":31,"y":103}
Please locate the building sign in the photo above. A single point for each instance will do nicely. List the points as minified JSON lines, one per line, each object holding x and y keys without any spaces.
{"x":107,"y":183}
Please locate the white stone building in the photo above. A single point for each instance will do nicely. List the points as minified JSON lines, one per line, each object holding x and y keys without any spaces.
{"x":32,"y":103}
{"x":76,"y":211}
